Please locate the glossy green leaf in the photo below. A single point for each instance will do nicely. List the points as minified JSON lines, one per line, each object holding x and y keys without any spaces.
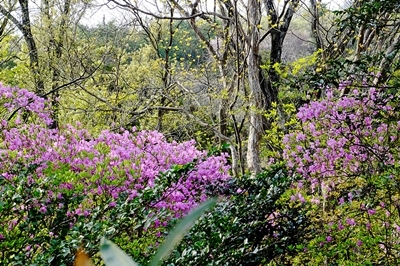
{"x":177,"y":234}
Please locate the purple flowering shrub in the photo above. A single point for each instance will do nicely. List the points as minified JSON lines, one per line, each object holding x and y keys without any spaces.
{"x":15,"y":101}
{"x":347,"y":153}
{"x":60,"y":188}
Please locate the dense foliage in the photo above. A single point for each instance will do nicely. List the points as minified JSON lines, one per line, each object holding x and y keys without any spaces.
{"x":254,"y":224}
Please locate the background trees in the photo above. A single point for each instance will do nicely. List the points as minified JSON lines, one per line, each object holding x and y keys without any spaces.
{"x":364,"y":38}
{"x":200,"y":63}
{"x":239,"y":35}
{"x":217,"y":67}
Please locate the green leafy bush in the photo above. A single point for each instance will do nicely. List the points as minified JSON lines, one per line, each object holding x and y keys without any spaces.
{"x":114,"y":256}
{"x":46,"y":233}
{"x":254,"y":224}
{"x":38,"y":229}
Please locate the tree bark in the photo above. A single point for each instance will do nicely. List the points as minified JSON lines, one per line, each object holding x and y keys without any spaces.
{"x":256,"y":95}
{"x":30,"y":42}
{"x":56,"y":50}
{"x":25,"y":27}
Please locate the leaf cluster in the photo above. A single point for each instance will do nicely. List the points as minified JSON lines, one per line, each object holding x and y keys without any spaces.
{"x":252,"y":225}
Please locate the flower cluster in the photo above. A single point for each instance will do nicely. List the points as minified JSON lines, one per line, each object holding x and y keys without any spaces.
{"x":350,"y":136}
{"x":16,"y":100}
{"x":113,"y":163}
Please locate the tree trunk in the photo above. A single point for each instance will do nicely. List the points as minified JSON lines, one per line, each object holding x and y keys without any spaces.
{"x":256,"y":94}
{"x":30,"y":42}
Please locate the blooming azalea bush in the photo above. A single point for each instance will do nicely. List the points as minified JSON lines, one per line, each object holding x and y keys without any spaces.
{"x":61,"y":188}
{"x":348,"y":155}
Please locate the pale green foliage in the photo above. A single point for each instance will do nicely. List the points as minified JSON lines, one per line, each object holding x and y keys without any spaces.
{"x":300,"y":65}
{"x":111,"y":97}
{"x":282,"y":120}
{"x":12,"y":69}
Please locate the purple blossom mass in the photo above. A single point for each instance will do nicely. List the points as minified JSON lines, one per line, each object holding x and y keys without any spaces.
{"x":343,"y":135}
{"x":346,"y":152}
{"x":107,"y":165}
